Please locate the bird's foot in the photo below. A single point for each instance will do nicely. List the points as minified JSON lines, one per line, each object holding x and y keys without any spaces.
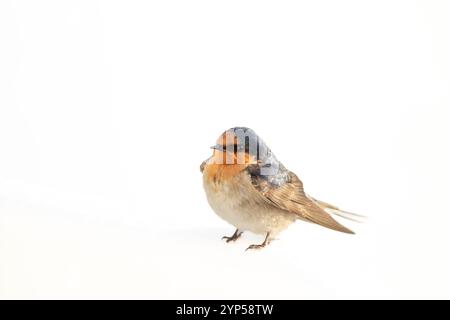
{"x":256,"y":246}
{"x":260,"y":246}
{"x":236,"y":235}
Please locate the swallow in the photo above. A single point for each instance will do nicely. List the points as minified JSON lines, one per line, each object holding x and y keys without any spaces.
{"x":248,"y":187}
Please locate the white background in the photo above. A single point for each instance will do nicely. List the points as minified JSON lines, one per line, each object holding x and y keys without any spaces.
{"x":107,"y":109}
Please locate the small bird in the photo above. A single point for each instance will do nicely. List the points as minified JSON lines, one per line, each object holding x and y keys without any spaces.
{"x":248,"y":187}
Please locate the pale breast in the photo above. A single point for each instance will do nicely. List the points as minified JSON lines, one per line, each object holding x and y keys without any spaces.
{"x":234,"y":199}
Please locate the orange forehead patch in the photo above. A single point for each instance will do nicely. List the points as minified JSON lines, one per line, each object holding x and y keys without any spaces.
{"x":232,"y":158}
{"x":227,"y":138}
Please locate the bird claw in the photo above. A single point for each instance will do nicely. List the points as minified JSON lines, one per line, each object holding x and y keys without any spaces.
{"x":229,"y":239}
{"x":233,"y":238}
{"x":256,"y":247}
{"x":260,"y":246}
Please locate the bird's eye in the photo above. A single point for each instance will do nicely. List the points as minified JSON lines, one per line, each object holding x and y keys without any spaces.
{"x":231,"y":147}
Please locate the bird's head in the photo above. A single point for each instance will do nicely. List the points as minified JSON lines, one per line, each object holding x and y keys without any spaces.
{"x":239,"y":145}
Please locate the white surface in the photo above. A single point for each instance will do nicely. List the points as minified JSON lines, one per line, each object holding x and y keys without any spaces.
{"x":107,"y":109}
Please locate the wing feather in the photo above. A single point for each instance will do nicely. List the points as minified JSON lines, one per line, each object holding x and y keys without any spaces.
{"x":338,"y":212}
{"x":291,"y":197}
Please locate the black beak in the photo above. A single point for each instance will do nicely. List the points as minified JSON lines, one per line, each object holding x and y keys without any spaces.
{"x":217,"y":147}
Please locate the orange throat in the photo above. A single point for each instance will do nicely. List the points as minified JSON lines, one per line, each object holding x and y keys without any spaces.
{"x":219,"y":173}
{"x":224,"y":166}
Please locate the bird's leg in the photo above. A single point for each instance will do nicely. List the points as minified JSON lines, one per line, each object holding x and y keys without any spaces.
{"x":262,"y":245}
{"x":236,"y":235}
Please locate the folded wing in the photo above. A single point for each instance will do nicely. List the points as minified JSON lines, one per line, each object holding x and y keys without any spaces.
{"x":291,"y":197}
